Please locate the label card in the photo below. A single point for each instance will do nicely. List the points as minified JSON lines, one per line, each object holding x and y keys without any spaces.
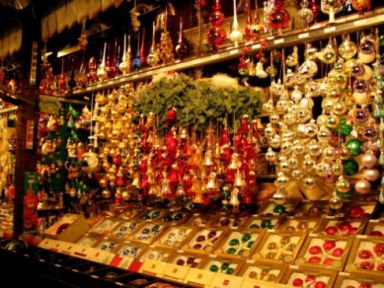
{"x":153,"y":268}
{"x":175,"y":272}
{"x":222,"y":280}
{"x":199,"y":278}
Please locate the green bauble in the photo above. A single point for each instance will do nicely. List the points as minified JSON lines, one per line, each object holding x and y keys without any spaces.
{"x":350,"y":166}
{"x":224,"y":266}
{"x":345,"y":195}
{"x":246,"y":237}
{"x":230,"y":271}
{"x":231,"y":250}
{"x":266,"y":224}
{"x":234,"y":242}
{"x":214,"y":268}
{"x":343,"y":128}
{"x":354,"y":145}
{"x":250,"y":244}
{"x":280,"y":209}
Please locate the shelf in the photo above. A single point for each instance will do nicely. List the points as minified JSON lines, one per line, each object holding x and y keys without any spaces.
{"x":8,"y":110}
{"x":11,"y":96}
{"x":322,"y":30}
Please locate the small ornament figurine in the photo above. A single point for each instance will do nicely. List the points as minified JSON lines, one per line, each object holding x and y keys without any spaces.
{"x":331,"y":7}
{"x":101,"y":71}
{"x":125,"y":65}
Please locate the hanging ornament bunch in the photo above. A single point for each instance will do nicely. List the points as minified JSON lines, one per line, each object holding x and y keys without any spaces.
{"x":337,"y":153}
{"x":115,"y":130}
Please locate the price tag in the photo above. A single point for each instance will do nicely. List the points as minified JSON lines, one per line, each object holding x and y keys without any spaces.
{"x":88,"y":88}
{"x":360,"y":22}
{"x":303,"y":35}
{"x":330,"y":29}
{"x":232,"y":52}
{"x":281,"y":286}
{"x":125,"y":263}
{"x":175,"y":272}
{"x":135,"y":76}
{"x":135,"y":266}
{"x":47,"y":243}
{"x":199,"y":278}
{"x":80,"y":251}
{"x":100,"y":256}
{"x":216,"y":56}
{"x":56,"y":247}
{"x":67,"y":248}
{"x":116,"y":261}
{"x":251,"y":283}
{"x":153,"y":268}
{"x":222,"y":280}
{"x":256,"y":46}
{"x":99,"y":85}
{"x":111,"y":82}
{"x":279,"y":41}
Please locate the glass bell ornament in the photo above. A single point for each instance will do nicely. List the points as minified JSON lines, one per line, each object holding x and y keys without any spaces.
{"x":212,"y":183}
{"x":347,"y":49}
{"x":367,"y":49}
{"x":270,"y":155}
{"x":216,"y":34}
{"x":234,"y":199}
{"x":260,"y":72}
{"x":331,"y":7}
{"x":236,"y":35}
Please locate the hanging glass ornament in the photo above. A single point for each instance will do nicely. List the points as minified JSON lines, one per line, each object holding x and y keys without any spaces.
{"x":347,"y":48}
{"x":181,"y":48}
{"x":350,"y":166}
{"x":331,"y":7}
{"x":315,"y":10}
{"x":248,"y":23}
{"x":153,"y":56}
{"x":216,"y":34}
{"x":236,"y":35}
{"x":279,"y":18}
{"x":328,"y":54}
{"x":305,"y":15}
{"x":369,"y":159}
{"x":363,"y":186}
{"x":101,"y":70}
{"x":367,"y":49}
{"x":361,"y":5}
{"x":293,"y":59}
{"x":136,"y":63}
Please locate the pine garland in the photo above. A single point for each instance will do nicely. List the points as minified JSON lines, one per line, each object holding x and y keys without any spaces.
{"x":197,"y":101}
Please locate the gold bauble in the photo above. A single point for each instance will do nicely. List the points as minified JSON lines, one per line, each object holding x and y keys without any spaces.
{"x":308,"y":162}
{"x":337,"y":169}
{"x":309,"y":182}
{"x":293,"y":162}
{"x":279,"y":197}
{"x":298,"y":148}
{"x":275,"y":141}
{"x":126,"y":195}
{"x":347,"y":49}
{"x":281,"y":181}
{"x":106,"y":194}
{"x":342,"y":185}
{"x":324,"y":134}
{"x":314,"y":149}
{"x":339,"y":109}
{"x":285,"y":167}
{"x":329,"y":153}
{"x":322,"y":169}
{"x":103,"y":182}
{"x":297,"y":173}
{"x":333,"y":122}
{"x":274,"y":118}
{"x":335,"y":202}
{"x":322,"y":120}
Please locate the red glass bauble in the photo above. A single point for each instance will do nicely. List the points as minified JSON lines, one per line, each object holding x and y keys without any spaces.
{"x":279,"y":19}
